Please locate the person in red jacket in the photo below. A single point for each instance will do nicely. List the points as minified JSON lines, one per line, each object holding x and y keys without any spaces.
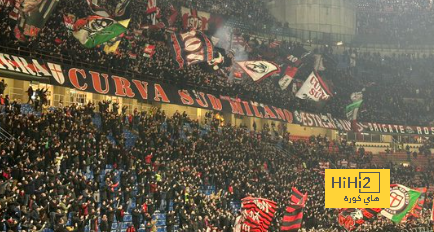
{"x":131,"y":228}
{"x":148,"y":159}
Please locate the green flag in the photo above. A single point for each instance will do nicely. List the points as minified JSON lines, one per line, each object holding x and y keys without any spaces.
{"x":95,"y":30}
{"x":402,"y":200}
{"x":352,"y":109}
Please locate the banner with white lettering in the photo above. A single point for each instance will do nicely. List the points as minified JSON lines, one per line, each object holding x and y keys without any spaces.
{"x":257,"y":214}
{"x":314,"y":89}
{"x":191,"y":48}
{"x":140,"y":89}
{"x":327,"y":121}
{"x":18,"y":67}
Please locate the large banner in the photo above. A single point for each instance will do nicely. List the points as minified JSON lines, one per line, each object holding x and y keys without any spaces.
{"x":324,"y":121}
{"x":142,"y":90}
{"x":327,"y":121}
{"x":145,"y":91}
{"x":191,"y":48}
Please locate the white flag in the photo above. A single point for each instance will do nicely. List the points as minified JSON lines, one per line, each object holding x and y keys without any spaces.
{"x":314,"y":89}
{"x":319,"y":63}
{"x":259,"y":69}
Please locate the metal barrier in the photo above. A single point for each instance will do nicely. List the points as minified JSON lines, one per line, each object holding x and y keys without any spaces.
{"x":4,"y":135}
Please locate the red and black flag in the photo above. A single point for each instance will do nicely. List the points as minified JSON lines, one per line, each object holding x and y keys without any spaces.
{"x":31,"y":16}
{"x":194,"y":19}
{"x":287,"y":75}
{"x":257,"y":214}
{"x":297,"y":197}
{"x":350,"y":219}
{"x":293,"y":215}
{"x":191,"y":48}
{"x":416,"y":211}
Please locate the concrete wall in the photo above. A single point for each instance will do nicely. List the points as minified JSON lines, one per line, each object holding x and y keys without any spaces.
{"x":329,"y":16}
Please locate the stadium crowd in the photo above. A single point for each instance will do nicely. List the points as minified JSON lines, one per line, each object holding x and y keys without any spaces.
{"x":400,"y":96}
{"x":64,"y":172}
{"x":402,"y":22}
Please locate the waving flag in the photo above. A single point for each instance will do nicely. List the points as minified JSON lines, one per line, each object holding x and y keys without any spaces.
{"x":296,"y":56}
{"x":257,"y":214}
{"x":193,"y":19}
{"x":95,"y":30}
{"x":149,"y":50}
{"x":293,"y":215}
{"x":402,"y":200}
{"x":152,"y":11}
{"x":191,"y":48}
{"x":122,"y":14}
{"x":318,"y":63}
{"x":350,"y":219}
{"x":416,"y":211}
{"x":292,"y":218}
{"x":112,"y":45}
{"x":14,"y":14}
{"x":352,"y":110}
{"x":314,"y":88}
{"x":259,"y":69}
{"x":297,"y":197}
{"x":289,"y":74}
{"x":33,"y":15}
{"x":122,"y":10}
{"x":97,"y":9}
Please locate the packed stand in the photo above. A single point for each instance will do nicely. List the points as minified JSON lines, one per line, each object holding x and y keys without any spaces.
{"x":403,"y":22}
{"x":394,"y":88}
{"x":55,"y":175}
{"x":388,"y":96}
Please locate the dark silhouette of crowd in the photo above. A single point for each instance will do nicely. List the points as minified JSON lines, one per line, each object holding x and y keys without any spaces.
{"x":65,"y":171}
{"x":400,"y":22}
